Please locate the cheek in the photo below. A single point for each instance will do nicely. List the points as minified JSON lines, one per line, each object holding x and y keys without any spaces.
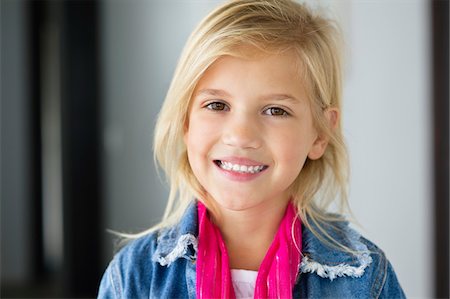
{"x":200,"y":136}
{"x":291,"y":147}
{"x":198,"y":131}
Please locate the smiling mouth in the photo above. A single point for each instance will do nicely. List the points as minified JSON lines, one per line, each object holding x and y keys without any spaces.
{"x":240,"y":168}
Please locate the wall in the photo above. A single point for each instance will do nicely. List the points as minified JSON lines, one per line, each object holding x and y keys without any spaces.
{"x":388,"y":127}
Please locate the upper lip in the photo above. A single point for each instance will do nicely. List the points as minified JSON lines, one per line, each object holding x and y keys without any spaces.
{"x":241,"y":161}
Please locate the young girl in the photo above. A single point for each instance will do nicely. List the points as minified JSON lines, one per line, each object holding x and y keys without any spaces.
{"x":251,"y":142}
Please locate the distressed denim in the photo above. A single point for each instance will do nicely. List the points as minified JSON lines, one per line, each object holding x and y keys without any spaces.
{"x":162,"y":265}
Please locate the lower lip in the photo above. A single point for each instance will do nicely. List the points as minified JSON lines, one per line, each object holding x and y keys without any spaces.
{"x":239,"y":176}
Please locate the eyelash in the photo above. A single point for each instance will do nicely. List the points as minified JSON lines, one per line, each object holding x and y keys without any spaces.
{"x":225,"y":107}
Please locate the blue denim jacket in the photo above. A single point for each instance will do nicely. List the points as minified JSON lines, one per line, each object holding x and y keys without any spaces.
{"x":162,"y":265}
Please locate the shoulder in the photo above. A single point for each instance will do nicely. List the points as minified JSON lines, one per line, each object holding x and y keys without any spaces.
{"x":360,"y":267}
{"x":140,"y":267}
{"x":385,"y":282}
{"x":163,"y":245}
{"x":125,"y":275}
{"x":136,"y":252}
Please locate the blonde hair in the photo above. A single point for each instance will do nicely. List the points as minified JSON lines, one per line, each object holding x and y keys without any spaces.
{"x":270,"y":27}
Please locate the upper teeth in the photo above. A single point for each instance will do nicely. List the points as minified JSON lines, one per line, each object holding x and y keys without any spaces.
{"x":240,"y":168}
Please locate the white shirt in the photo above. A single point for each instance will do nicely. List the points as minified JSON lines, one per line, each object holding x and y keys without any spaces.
{"x":244,"y":282}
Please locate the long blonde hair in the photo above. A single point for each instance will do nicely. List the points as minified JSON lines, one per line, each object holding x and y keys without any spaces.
{"x":269,"y":26}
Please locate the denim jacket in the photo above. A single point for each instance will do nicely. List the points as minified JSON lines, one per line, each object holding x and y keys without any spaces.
{"x":162,"y":265}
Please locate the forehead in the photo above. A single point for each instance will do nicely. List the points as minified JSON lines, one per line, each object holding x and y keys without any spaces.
{"x":260,"y":73}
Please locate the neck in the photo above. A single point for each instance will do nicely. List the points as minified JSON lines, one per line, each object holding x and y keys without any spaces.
{"x":249,"y":233}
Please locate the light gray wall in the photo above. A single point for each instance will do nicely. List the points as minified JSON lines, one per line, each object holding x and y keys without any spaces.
{"x":386,"y":118}
{"x":15,"y":146}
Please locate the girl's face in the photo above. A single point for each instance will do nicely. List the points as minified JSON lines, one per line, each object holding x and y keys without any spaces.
{"x":250,"y":131}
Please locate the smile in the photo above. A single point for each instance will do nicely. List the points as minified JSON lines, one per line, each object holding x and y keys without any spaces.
{"x":240,"y":168}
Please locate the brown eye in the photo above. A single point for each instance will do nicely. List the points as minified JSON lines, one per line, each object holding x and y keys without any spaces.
{"x":276,"y":111}
{"x":217,"y":106}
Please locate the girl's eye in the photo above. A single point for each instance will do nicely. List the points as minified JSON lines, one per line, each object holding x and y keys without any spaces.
{"x":276,"y":111}
{"x":217,"y":106}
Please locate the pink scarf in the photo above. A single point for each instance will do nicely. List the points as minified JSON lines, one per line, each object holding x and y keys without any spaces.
{"x":277,"y":273}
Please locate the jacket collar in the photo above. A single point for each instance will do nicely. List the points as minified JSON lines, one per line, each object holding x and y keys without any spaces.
{"x":327,"y":260}
{"x":180,"y":241}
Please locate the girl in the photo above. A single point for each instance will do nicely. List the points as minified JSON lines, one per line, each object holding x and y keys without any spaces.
{"x":250,"y":139}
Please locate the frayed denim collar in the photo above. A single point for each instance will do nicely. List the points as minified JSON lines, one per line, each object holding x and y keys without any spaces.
{"x":331,"y":262}
{"x":180,"y":241}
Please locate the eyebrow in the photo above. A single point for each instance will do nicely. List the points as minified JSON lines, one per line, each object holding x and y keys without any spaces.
{"x":223,"y":93}
{"x":213,"y":92}
{"x":282,"y":97}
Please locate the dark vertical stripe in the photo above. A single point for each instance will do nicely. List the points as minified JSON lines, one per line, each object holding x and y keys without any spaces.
{"x":81,"y":141}
{"x":440,"y":85}
{"x":36,"y":14}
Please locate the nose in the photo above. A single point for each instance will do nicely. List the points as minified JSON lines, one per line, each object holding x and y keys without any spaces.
{"x":242,"y":131}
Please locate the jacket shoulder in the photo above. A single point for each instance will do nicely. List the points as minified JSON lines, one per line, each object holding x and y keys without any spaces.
{"x":140,"y":268}
{"x":385,"y":281}
{"x":357,"y":270}
{"x":125,"y":276}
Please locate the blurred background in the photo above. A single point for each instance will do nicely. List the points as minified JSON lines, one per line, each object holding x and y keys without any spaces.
{"x":83,"y":81}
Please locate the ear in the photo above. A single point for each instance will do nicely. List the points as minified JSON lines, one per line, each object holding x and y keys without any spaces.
{"x":320,"y":144}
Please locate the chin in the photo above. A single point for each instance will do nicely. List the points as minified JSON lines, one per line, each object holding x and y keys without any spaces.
{"x":240,"y":204}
